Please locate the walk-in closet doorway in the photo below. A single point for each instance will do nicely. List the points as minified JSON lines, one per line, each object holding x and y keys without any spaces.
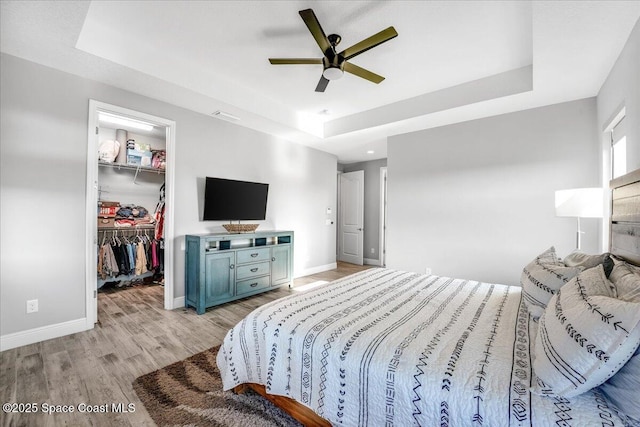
{"x":112,"y":125}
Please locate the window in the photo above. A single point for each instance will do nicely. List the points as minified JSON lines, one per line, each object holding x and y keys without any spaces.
{"x":619,"y":157}
{"x":618,"y":149}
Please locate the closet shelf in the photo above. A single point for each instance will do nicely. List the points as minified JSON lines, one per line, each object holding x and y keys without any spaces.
{"x":136,"y":168}
{"x":132,"y":228}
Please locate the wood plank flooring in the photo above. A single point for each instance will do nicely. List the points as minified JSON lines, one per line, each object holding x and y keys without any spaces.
{"x":135,"y":336}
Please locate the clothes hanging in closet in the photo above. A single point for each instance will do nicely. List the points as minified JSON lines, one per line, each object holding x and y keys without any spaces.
{"x":158,"y":215}
{"x":135,"y":255}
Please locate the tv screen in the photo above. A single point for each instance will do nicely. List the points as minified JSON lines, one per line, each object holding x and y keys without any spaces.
{"x":229,"y":200}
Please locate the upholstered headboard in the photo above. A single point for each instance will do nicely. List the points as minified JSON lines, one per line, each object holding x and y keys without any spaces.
{"x":625,"y":217}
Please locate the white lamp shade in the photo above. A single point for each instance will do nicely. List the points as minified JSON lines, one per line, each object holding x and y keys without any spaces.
{"x":580,"y":202}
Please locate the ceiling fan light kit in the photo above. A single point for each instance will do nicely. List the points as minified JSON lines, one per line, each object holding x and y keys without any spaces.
{"x":332,"y":70}
{"x":332,"y":73}
{"x":334,"y":63}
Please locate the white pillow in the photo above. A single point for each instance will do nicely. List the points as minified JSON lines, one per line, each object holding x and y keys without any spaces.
{"x":542,"y":278}
{"x":585,"y":336}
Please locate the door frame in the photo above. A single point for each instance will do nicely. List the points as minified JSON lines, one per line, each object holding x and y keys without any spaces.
{"x":91,"y":227}
{"x":382,"y":252}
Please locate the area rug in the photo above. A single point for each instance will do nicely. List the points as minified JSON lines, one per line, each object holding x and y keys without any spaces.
{"x":189,"y":393}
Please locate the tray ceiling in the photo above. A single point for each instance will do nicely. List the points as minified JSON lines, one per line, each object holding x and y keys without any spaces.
{"x":452,"y":61}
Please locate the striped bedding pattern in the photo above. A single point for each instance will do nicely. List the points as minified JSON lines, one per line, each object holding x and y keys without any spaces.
{"x":386,"y":347}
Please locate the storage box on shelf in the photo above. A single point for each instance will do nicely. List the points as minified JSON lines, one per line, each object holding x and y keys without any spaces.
{"x":138,"y":154}
{"x":137,"y":157}
{"x":224,"y":267}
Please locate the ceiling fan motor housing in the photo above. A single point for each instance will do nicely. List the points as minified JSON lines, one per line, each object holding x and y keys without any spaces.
{"x":334,"y":39}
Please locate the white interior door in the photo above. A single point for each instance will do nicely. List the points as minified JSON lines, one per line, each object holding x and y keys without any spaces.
{"x":350,"y":247}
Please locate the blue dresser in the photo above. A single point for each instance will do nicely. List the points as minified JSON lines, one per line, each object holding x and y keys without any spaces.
{"x":223,"y":267}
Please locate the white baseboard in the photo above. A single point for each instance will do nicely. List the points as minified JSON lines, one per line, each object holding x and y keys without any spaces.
{"x":43,"y":333}
{"x":178,"y":302}
{"x":314,"y":270}
{"x":368,"y":261}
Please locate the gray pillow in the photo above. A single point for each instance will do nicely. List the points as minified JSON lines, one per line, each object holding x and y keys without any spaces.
{"x":626,"y":280}
{"x":622,"y":389}
{"x":581,"y":259}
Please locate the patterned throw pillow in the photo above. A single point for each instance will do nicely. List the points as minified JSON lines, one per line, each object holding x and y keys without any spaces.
{"x":585,"y":336}
{"x":626,"y":280}
{"x":542,"y":278}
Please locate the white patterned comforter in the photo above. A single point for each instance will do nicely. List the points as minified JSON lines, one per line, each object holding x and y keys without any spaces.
{"x":385,"y":347}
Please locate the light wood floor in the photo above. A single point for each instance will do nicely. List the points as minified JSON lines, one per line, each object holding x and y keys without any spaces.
{"x":135,"y":336}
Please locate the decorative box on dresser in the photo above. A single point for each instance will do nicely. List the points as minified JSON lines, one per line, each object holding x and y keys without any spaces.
{"x":223,"y":267}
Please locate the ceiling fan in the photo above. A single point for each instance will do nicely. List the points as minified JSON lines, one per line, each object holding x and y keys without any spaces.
{"x":335,"y":63}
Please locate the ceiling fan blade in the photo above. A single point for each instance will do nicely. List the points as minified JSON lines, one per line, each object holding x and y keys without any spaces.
{"x":369,"y":43}
{"x":317,"y":32}
{"x":322,"y":84}
{"x":287,"y":61}
{"x":361,"y":72}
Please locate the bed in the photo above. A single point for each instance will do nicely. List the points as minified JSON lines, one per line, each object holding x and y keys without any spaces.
{"x":386,"y":347}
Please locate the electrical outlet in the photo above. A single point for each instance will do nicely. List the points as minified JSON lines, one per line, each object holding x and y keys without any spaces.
{"x":373,"y":251}
{"x":427,"y":271}
{"x":32,"y":306}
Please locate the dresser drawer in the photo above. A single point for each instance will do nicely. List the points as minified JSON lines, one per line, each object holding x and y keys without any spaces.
{"x":253,"y":255}
{"x":252,"y":270}
{"x":250,"y":285}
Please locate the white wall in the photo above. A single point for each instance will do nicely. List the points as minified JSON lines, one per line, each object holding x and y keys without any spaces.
{"x":476,"y":200}
{"x":622,"y":89}
{"x":43,"y":154}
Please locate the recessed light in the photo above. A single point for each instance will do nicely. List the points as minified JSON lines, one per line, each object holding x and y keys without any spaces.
{"x":370,"y":152}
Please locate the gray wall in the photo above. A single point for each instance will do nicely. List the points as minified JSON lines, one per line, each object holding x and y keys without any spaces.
{"x":476,"y":199}
{"x":371,"y":236}
{"x":42,"y":187}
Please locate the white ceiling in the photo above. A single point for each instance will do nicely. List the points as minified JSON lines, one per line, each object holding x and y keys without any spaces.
{"x":451,"y":62}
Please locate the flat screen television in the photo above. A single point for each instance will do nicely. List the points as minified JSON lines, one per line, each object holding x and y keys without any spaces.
{"x":231,"y":200}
